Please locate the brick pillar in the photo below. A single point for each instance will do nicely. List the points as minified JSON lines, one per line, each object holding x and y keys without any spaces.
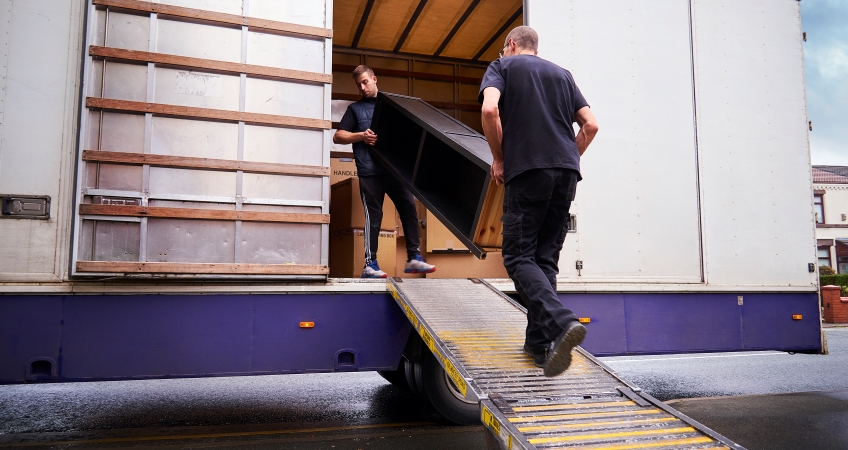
{"x":835,"y":307}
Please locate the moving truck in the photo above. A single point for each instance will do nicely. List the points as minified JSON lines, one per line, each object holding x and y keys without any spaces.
{"x":165,"y":178}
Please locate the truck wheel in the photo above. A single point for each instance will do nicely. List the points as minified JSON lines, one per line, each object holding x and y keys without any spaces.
{"x":414,"y":378}
{"x":397,"y":377}
{"x":444,"y":396}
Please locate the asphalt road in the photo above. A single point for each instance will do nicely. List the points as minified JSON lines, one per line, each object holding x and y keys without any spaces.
{"x":750,"y":397}
{"x":746,"y":373}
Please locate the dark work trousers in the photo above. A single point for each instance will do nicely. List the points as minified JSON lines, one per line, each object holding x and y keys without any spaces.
{"x":373,"y":190}
{"x":535,"y":222}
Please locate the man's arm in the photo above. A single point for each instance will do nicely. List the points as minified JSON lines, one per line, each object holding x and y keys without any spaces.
{"x":492,"y":129}
{"x":588,"y":128}
{"x":346,"y":137}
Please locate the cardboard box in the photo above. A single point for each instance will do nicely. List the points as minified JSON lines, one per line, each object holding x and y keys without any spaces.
{"x":341,"y":169}
{"x":347,"y":211}
{"x":466,"y":265}
{"x":421,"y":211}
{"x":347,"y":253}
{"x":439,"y":238}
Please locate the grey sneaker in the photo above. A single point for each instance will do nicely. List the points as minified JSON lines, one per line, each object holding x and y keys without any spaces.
{"x":559,"y":357}
{"x":372,"y":270}
{"x":417,"y":265}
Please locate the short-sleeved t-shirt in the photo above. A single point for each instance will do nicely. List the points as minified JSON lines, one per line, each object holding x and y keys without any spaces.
{"x":537,"y":106}
{"x":357,"y":119}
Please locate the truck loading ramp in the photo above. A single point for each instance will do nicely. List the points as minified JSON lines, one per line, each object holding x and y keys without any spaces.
{"x":476,"y":333}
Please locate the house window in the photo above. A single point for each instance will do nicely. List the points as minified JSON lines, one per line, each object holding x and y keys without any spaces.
{"x":824,"y":256}
{"x":818,"y":205}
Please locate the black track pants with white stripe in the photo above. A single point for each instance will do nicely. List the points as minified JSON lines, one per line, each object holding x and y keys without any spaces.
{"x":373,"y":190}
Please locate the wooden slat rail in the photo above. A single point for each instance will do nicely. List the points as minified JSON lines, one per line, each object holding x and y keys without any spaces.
{"x":211,"y":16}
{"x":410,"y":74}
{"x":208,"y":214}
{"x":185,"y":162}
{"x":206,"y":113}
{"x":209,"y":64}
{"x":444,"y":105}
{"x":201,"y":268}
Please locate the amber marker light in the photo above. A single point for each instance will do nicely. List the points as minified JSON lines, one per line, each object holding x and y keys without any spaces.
{"x":585,"y":320}
{"x":307,"y":324}
{"x":797,"y":317}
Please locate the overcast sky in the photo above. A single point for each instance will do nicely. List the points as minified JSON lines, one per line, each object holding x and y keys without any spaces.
{"x":826,"y":64}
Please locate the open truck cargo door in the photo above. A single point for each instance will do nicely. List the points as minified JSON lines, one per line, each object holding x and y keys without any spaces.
{"x":204,"y":141}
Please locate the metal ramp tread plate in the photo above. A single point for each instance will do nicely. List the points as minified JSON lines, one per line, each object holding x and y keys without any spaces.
{"x":477,"y":333}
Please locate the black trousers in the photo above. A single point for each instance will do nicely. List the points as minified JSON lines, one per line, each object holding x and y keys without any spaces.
{"x":373,"y":190}
{"x":535,"y":221}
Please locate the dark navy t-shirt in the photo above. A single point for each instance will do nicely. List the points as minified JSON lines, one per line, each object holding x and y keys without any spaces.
{"x":537,"y":106}
{"x":357,"y":119}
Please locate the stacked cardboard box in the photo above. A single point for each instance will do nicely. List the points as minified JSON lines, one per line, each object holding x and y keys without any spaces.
{"x":347,"y":211}
{"x":347,"y":232}
{"x":347,"y":253}
{"x":453,"y":259}
{"x":342,"y":169}
{"x":438,"y":245}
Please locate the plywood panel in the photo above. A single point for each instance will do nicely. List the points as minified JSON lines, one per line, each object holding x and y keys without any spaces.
{"x":436,"y":21}
{"x":346,"y":17}
{"x":386,"y":23}
{"x":478,"y":28}
{"x":491,"y":53}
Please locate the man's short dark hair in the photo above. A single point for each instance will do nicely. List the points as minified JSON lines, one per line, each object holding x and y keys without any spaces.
{"x":360,"y":69}
{"x":524,"y":37}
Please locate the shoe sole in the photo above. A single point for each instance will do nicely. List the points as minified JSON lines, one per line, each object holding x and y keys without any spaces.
{"x":419,"y":271}
{"x":376,"y":278}
{"x":560,"y":358}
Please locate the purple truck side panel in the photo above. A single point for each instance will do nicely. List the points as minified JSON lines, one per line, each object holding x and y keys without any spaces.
{"x":111,"y":337}
{"x":370,"y":324}
{"x":154,"y":336}
{"x":767,"y":323}
{"x":30,"y":326}
{"x":607,"y":332}
{"x":651,"y":323}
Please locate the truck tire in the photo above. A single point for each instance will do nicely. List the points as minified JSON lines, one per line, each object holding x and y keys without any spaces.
{"x":397,"y":377}
{"x":444,"y":396}
{"x":414,"y":378}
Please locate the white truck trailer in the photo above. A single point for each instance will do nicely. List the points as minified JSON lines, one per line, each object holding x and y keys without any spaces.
{"x":164,"y":169}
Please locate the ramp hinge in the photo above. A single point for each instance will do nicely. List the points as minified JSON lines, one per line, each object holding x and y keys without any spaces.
{"x":627,"y":392}
{"x":501,"y":403}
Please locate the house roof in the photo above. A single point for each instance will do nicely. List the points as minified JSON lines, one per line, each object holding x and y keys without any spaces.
{"x":830,"y":174}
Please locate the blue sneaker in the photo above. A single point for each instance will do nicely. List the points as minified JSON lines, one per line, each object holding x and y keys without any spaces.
{"x":417,"y":265}
{"x":372,"y":270}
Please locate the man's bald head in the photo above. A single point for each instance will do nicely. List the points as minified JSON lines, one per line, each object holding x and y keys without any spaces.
{"x":524,"y":37}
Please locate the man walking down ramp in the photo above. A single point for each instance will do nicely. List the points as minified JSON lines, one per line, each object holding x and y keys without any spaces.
{"x":529,"y":107}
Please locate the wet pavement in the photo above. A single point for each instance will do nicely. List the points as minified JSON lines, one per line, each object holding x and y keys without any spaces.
{"x":361,"y":410}
{"x":747,"y":373}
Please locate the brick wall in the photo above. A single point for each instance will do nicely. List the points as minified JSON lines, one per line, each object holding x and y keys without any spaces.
{"x":835,"y":307}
